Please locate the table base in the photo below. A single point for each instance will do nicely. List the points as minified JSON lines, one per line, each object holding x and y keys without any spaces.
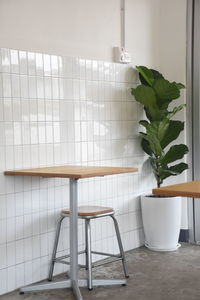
{"x":72,"y":284}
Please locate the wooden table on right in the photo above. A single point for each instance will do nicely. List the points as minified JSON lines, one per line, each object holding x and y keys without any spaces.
{"x":187,"y":189}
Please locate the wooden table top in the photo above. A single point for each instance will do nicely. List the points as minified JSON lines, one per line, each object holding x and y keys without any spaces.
{"x":187,"y":189}
{"x":71,"y":171}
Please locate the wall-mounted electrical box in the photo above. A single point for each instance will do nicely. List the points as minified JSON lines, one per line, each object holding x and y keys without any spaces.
{"x":121,"y":55}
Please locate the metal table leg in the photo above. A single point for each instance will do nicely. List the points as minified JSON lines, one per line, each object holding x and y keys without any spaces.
{"x":74,"y":237}
{"x":73,"y":281}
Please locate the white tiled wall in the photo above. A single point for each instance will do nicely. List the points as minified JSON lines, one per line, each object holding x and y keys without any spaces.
{"x":63,"y":110}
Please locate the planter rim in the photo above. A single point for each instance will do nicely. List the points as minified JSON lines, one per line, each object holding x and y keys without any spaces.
{"x":157,"y":196}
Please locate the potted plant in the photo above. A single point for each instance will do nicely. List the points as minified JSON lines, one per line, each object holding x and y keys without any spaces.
{"x":161,"y":215}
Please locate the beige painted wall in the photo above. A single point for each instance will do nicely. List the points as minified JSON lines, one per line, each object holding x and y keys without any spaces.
{"x":87,"y":28}
{"x":155,"y":33}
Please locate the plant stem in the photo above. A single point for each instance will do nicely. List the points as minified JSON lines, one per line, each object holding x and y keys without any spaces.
{"x":157,"y":172}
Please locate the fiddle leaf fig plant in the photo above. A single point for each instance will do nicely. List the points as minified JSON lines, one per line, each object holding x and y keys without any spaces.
{"x":155,"y":93}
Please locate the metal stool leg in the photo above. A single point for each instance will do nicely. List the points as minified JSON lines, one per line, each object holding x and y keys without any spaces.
{"x":120,"y":246}
{"x":89,"y":253}
{"x":86,"y":249}
{"x":52,"y":263}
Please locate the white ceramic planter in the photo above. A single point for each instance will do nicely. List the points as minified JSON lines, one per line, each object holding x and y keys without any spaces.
{"x":161,"y":220}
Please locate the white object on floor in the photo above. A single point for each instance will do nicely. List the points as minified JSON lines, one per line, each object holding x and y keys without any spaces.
{"x":162,"y":220}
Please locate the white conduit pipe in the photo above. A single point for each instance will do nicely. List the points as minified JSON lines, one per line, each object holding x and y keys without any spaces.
{"x":122,"y":9}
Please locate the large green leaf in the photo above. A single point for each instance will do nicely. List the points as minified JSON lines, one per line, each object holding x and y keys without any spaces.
{"x":146,"y":75}
{"x":153,"y":73}
{"x":179,"y":85}
{"x":145,"y":95}
{"x":153,"y":143}
{"x":173,"y":131}
{"x":146,"y":147}
{"x":173,"y":171}
{"x":155,"y":132}
{"x":143,"y":81}
{"x":157,"y":128}
{"x":166,"y":172}
{"x":166,"y":90}
{"x":162,"y":129}
{"x":175,"y":152}
{"x":156,"y":74}
{"x":144,"y":123}
{"x":179,"y":168}
{"x":154,"y":113}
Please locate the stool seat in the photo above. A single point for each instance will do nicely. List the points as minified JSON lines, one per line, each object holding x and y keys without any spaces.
{"x":90,"y":210}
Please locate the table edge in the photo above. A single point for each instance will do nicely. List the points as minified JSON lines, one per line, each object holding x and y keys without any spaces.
{"x":32,"y":174}
{"x":174,"y":193}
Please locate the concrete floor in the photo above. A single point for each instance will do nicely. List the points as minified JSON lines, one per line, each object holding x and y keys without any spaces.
{"x":153,"y":276}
